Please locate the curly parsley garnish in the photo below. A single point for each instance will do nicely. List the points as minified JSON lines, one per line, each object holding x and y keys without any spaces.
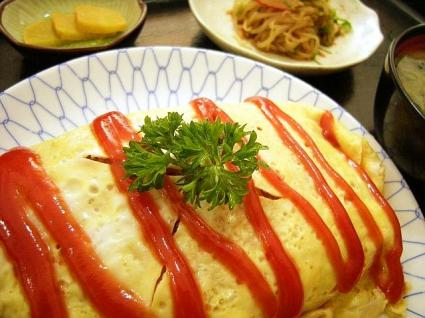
{"x":200,"y":152}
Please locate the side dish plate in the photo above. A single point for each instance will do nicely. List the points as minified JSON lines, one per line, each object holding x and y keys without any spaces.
{"x":347,"y":51}
{"x":72,"y":94}
{"x":16,"y":15}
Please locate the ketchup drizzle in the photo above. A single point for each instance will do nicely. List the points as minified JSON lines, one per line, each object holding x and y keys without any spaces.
{"x":355,"y":259}
{"x":23,"y":243}
{"x":349,"y":194}
{"x":389,"y":276}
{"x":21,"y":169}
{"x":111,"y":130}
{"x":290,"y":289}
{"x":225,"y":251}
{"x":23,"y":182}
{"x":313,"y":218}
{"x":205,"y":107}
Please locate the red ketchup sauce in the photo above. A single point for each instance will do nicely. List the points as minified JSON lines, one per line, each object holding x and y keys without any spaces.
{"x":355,"y":259}
{"x":25,"y":183}
{"x":349,"y":193}
{"x":205,"y":107}
{"x":290,"y":289}
{"x":113,"y":129}
{"x":316,"y":222}
{"x":23,"y":243}
{"x":389,"y":275}
{"x":225,"y":251}
{"x":306,"y":209}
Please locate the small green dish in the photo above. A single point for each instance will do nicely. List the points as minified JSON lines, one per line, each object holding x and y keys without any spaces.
{"x":16,"y":15}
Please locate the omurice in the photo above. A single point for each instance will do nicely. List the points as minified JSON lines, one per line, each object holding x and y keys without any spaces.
{"x":309,"y":235}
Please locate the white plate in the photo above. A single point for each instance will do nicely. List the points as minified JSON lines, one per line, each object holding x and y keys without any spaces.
{"x":72,"y":94}
{"x":347,"y":50}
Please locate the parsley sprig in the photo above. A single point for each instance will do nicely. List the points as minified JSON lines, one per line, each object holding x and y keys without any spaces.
{"x":201,"y":152}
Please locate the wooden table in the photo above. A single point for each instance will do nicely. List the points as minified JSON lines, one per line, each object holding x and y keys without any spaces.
{"x":173,"y":24}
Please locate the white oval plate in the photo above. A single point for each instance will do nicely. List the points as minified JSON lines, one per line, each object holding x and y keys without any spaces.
{"x":72,"y":94}
{"x":347,"y":50}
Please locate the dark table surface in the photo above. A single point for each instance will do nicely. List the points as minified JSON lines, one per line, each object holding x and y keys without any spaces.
{"x":173,"y":24}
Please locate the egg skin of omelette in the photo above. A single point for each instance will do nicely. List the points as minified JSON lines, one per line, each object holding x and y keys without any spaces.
{"x":102,"y":210}
{"x":92,"y":19}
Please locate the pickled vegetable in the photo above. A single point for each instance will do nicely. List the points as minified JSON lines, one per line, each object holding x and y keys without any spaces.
{"x":41,"y":33}
{"x":66,"y":28}
{"x":92,"y":19}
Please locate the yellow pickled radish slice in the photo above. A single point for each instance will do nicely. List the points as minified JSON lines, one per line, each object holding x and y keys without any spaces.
{"x":92,"y":19}
{"x":66,"y":28}
{"x":42,"y":34}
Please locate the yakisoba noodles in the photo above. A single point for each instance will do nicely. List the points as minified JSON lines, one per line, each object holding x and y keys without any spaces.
{"x":296,"y":29}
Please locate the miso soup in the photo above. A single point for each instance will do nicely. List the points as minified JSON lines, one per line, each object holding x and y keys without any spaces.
{"x":411,"y":70}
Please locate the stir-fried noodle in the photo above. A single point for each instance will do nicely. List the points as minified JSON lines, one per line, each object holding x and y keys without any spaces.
{"x":298,"y":31}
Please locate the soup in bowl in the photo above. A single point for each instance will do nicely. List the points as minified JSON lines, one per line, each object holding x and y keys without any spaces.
{"x":400,"y":102}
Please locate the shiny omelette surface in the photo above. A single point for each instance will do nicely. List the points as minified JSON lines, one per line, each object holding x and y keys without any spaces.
{"x":103,"y":212}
